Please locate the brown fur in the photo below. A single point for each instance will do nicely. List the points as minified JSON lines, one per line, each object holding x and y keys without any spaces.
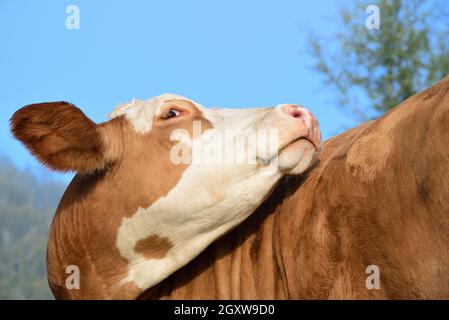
{"x":60,"y":136}
{"x":153,"y":247}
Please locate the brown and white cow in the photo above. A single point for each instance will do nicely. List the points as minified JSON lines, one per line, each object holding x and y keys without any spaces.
{"x":134,"y":214}
{"x":378,"y":196}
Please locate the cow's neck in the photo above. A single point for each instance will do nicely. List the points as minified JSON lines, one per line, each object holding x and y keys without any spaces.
{"x":160,"y":239}
{"x":226,"y":268}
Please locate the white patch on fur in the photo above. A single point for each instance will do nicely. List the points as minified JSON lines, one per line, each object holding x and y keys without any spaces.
{"x":191,"y":216}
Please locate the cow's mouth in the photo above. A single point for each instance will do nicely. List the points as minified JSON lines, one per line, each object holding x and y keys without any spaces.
{"x":296,"y":142}
{"x":290,"y":147}
{"x":297,"y":156}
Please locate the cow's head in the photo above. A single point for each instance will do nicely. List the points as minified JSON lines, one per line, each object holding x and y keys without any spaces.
{"x":180,"y":175}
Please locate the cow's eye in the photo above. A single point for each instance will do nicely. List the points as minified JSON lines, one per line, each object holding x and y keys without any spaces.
{"x":172,"y":113}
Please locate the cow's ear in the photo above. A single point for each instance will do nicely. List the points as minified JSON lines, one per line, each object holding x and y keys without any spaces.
{"x":60,"y":136}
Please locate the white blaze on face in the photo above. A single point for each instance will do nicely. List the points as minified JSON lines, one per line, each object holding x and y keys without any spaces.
{"x":140,"y":112}
{"x":207,"y":201}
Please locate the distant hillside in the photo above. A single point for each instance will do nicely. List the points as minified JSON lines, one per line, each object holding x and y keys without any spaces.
{"x":27,"y":206}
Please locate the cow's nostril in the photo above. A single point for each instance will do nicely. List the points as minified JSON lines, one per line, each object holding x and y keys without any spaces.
{"x":296,"y":113}
{"x":293,"y":110}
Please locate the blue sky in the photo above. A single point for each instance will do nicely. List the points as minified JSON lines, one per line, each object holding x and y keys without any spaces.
{"x":219,"y":53}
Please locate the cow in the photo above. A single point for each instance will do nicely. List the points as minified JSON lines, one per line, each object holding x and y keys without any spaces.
{"x":150,"y":192}
{"x":368,"y":219}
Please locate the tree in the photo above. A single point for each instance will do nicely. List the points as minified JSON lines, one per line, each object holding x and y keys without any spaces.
{"x":373,"y":70}
{"x":27,"y":206}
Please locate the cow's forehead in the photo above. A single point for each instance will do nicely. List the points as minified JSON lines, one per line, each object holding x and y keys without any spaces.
{"x":141,"y":112}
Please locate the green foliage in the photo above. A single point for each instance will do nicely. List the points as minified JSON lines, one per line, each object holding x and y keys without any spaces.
{"x":383,"y":67}
{"x":26,"y":209}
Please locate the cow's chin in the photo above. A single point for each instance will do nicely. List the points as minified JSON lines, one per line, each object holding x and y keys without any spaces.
{"x":297,"y":157}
